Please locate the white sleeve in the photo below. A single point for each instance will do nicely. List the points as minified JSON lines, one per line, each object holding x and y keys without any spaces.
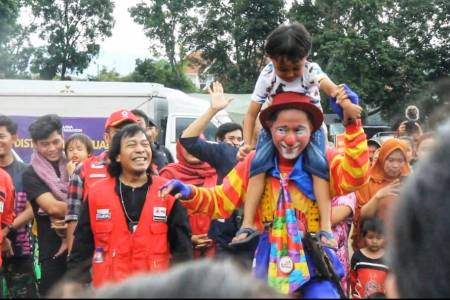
{"x":313,"y":74}
{"x":263,"y":84}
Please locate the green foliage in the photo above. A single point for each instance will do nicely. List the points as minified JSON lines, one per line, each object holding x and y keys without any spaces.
{"x":106,"y":75}
{"x":386,"y":50}
{"x":160,"y":71}
{"x":169,"y":22}
{"x":231,"y":38}
{"x":72,"y":30}
{"x":14,"y":52}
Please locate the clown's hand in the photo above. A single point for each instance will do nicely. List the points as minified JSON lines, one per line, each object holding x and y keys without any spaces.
{"x":176,"y":188}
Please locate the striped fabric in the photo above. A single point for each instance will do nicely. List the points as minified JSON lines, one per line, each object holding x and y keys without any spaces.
{"x":348,"y":172}
{"x":290,"y":211}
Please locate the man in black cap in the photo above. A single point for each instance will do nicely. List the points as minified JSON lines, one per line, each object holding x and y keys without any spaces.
{"x":162,"y":155}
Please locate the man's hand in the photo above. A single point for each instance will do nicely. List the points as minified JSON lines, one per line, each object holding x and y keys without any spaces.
{"x":60,"y":227}
{"x":391,"y":190}
{"x":218,"y":101}
{"x":176,"y":188}
{"x":201,"y":241}
{"x":7,"y":249}
{"x":62,"y":249}
{"x":71,"y":165}
{"x":243,"y":151}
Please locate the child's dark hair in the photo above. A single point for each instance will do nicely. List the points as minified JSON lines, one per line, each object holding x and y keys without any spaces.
{"x":81,"y":137}
{"x":372,"y":224}
{"x":290,"y":42}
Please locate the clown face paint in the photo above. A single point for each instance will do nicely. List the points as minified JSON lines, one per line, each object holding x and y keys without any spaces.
{"x":291,"y":132}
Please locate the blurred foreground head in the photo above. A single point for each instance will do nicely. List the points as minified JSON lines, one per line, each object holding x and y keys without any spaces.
{"x":418,"y":243}
{"x":204,"y":278}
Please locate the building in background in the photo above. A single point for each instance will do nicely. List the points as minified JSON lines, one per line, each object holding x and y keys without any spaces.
{"x":197,"y":70}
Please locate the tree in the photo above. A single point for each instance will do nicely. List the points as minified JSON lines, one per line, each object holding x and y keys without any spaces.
{"x":160,"y":71}
{"x":169,"y":23}
{"x":14,"y":51}
{"x":231,"y":38}
{"x":72,"y":30}
{"x":106,"y":75}
{"x":386,"y":50}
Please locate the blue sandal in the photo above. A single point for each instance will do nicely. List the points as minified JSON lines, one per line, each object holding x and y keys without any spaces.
{"x":329,"y":236}
{"x":251,"y":234}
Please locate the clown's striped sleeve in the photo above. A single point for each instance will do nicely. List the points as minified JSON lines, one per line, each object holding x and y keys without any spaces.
{"x":349,"y":171}
{"x":220,"y":201}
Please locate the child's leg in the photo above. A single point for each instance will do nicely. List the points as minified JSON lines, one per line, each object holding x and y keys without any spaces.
{"x":262,"y":162}
{"x":322,"y":193}
{"x":255,"y":191}
{"x":316,"y":164}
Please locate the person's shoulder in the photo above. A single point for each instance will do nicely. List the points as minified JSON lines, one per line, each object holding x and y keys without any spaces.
{"x":4,"y":176}
{"x":310,"y":65}
{"x":29,"y":171}
{"x":269,"y":69}
{"x":20,"y":166}
{"x":30,"y":178}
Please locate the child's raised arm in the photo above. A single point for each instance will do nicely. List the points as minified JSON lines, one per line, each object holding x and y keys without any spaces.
{"x":250,"y":120}
{"x":328,"y":87}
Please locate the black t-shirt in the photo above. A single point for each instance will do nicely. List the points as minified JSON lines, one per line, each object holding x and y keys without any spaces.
{"x":48,"y":240}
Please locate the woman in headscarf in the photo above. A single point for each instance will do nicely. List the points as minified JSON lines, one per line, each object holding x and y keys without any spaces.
{"x":385,"y":176}
{"x":191,"y":170}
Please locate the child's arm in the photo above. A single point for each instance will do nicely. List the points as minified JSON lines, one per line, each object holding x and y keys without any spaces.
{"x":332,"y":90}
{"x":328,"y":86}
{"x":249,"y":126}
{"x":250,"y":120}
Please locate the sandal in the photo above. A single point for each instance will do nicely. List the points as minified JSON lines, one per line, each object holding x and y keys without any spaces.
{"x":331,"y":242}
{"x":251,"y":234}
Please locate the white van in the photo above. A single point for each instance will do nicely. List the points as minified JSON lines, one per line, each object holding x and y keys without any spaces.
{"x":85,"y":105}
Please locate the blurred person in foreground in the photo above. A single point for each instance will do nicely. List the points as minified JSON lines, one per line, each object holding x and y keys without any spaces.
{"x":197,"y":279}
{"x":417,"y":250}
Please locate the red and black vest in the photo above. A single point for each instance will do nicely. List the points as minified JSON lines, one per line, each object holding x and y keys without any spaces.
{"x":93,"y":169}
{"x":125,"y":253}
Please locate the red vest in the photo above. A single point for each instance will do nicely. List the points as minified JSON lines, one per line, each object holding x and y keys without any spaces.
{"x":93,"y":169}
{"x":125,"y":253}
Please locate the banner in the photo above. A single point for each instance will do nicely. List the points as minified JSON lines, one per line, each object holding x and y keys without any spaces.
{"x":92,"y":127}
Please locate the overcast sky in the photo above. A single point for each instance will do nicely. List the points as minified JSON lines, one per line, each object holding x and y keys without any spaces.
{"x":127,"y":43}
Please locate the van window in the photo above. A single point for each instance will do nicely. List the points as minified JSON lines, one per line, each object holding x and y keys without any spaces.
{"x":183,"y":123}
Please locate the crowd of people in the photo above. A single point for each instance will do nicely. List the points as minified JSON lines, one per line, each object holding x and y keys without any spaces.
{"x":273,"y":198}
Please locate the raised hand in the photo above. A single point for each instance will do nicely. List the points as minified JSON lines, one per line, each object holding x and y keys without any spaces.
{"x":218,"y":101}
